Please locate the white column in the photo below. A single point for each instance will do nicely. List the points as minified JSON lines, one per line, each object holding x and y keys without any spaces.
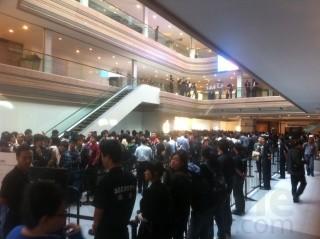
{"x":85,"y":2}
{"x":192,"y":52}
{"x":134,"y":73}
{"x":145,"y":17}
{"x":239,"y":85}
{"x":47,"y":59}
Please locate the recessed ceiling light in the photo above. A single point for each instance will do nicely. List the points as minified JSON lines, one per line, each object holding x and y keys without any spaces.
{"x":138,"y":6}
{"x":113,"y":57}
{"x":170,"y":26}
{"x":117,"y":63}
{"x":11,"y":30}
{"x":90,"y":49}
{"x":25,"y":27}
{"x":154,"y":16}
{"x":78,"y":51}
{"x":209,"y":50}
{"x":181,"y":33}
{"x":60,"y":38}
{"x":203,"y":76}
{"x":99,"y":58}
{"x":215,"y":75}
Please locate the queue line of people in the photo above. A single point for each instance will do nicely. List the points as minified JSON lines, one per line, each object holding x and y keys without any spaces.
{"x":179,"y":173}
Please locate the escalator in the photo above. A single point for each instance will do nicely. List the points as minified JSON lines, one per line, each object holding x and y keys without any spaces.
{"x":83,"y":117}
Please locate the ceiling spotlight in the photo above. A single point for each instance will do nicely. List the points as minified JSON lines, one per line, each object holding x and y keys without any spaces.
{"x":154,"y":16}
{"x":99,"y":58}
{"x":11,"y":30}
{"x":60,"y":38}
{"x":113,"y":57}
{"x":90,"y":49}
{"x":117,"y":63}
{"x":77,"y":51}
{"x":170,"y":26}
{"x":181,"y":33}
{"x":210,"y":50}
{"x":25,"y":27}
{"x":138,"y":6}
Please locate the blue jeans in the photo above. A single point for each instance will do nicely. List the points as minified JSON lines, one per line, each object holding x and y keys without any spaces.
{"x":310,"y":164}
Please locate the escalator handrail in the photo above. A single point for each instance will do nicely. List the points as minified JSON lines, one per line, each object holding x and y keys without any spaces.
{"x":99,"y":107}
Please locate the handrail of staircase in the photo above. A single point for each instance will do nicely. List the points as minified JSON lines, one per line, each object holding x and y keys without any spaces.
{"x":130,"y":85}
{"x":96,"y":109}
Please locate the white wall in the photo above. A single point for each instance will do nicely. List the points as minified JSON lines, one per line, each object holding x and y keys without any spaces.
{"x":18,"y":115}
{"x":142,"y":94}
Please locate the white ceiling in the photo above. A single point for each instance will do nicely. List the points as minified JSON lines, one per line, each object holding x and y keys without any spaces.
{"x":278,"y":41}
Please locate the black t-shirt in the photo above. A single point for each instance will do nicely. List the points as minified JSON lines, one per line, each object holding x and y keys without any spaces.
{"x":12,"y":189}
{"x":115,"y":194}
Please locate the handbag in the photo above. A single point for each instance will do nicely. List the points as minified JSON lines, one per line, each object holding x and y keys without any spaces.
{"x":255,"y":155}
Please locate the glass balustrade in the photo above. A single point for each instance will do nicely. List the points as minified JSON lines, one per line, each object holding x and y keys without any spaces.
{"x":58,"y":66}
{"x":137,"y":25}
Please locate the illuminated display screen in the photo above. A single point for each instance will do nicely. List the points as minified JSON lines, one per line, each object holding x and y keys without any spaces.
{"x":226,"y":65}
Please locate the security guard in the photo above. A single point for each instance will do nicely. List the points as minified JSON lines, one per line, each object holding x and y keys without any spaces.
{"x":115,"y":195}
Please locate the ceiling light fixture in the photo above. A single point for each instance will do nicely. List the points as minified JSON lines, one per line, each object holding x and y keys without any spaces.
{"x":138,"y":6}
{"x":25,"y":27}
{"x":209,"y":50}
{"x":11,"y":30}
{"x":154,"y":16}
{"x":117,"y":63}
{"x":60,"y":38}
{"x":90,"y":49}
{"x":113,"y":57}
{"x":181,"y":33}
{"x":77,"y":51}
{"x":170,"y":26}
{"x":99,"y":58}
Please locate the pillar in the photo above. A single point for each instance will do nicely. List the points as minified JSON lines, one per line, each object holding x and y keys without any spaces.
{"x":145,"y":15}
{"x":240,"y":89}
{"x":47,"y":59}
{"x":85,"y":2}
{"x":134,"y":73}
{"x":192,"y":52}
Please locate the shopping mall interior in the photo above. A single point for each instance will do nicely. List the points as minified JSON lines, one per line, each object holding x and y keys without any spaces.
{"x":168,"y":66}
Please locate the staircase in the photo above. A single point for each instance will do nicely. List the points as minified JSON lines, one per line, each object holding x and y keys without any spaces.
{"x":83,"y":117}
{"x":79,"y":126}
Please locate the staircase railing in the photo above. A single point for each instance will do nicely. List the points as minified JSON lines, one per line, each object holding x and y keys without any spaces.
{"x":84,"y":112}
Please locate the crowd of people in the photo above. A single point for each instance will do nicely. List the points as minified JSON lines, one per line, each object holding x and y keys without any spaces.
{"x":185,"y":179}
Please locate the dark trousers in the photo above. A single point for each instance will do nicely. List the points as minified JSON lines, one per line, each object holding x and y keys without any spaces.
{"x":142,"y":184}
{"x":201,"y":225}
{"x":238,"y":194}
{"x":266,"y":171}
{"x":223,"y":218}
{"x":295,"y":180}
{"x":282,"y":166}
{"x":91,"y":179}
{"x":179,"y":227}
{"x":112,"y":233}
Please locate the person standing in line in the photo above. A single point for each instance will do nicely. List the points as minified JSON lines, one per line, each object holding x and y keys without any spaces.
{"x":155,"y":206}
{"x":143,"y":155}
{"x":310,"y":154}
{"x":179,"y":183}
{"x":282,"y":156}
{"x":223,"y":214}
{"x":296,"y":169}
{"x":238,"y":179}
{"x":265,"y":162}
{"x":115,"y":195}
{"x":13,"y":186}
